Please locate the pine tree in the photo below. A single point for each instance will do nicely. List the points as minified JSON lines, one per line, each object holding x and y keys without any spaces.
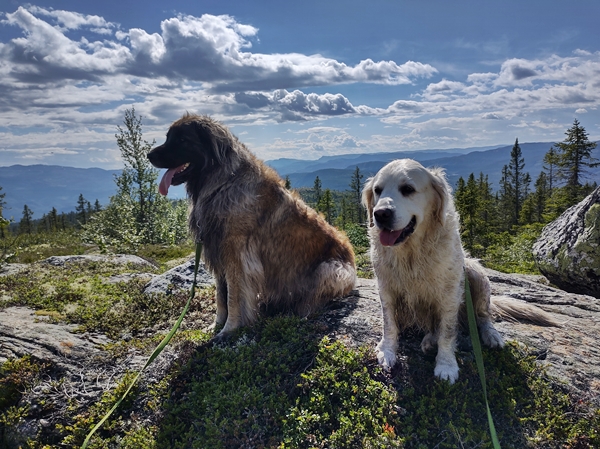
{"x":288,"y":183}
{"x":97,"y":207}
{"x":26,"y":223}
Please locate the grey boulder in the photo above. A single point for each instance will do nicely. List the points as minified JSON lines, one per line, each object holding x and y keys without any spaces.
{"x":568,"y":250}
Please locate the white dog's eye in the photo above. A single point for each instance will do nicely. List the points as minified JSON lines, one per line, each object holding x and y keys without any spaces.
{"x":377,"y":190}
{"x":406,"y":189}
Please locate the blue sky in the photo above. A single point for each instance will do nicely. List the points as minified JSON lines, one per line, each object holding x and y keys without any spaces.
{"x":295,"y":79}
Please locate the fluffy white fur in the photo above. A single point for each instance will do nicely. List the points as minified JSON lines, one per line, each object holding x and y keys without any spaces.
{"x":420,"y":263}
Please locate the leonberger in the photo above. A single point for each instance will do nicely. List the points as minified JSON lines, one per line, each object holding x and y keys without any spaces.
{"x":420,"y":266}
{"x":265,"y":247}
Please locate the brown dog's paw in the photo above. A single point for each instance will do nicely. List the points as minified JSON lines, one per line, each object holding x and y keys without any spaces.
{"x":221,"y":337}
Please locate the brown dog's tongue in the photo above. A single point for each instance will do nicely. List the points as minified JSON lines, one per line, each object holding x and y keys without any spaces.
{"x":165,"y":182}
{"x":388,"y":238}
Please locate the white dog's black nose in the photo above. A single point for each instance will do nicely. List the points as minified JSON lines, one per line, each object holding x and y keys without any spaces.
{"x":384,"y":217}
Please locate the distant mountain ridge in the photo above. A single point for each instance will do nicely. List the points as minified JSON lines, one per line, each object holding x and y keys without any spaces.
{"x":456,"y":162}
{"x":43,"y":187}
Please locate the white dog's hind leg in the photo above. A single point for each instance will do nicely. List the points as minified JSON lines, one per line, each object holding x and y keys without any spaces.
{"x":429,"y":342}
{"x":388,"y":346}
{"x":489,"y":335}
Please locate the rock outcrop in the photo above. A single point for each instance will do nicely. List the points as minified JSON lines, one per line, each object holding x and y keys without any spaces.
{"x":571,"y":352}
{"x":568,"y":250}
{"x":179,"y":278}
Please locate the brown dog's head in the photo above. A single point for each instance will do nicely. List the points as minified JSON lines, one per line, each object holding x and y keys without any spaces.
{"x":194,"y":145}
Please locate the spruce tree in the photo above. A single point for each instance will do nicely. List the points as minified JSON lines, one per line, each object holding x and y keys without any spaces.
{"x":26,"y":223}
{"x":551,"y":167}
{"x":487,"y":211}
{"x":327,"y":206}
{"x":356,"y":186}
{"x":505,"y":200}
{"x":317,"y":191}
{"x":53,"y":220}
{"x":574,"y":157}
{"x":519,"y":181}
{"x":471,"y":213}
{"x":3,"y":221}
{"x":80,"y":210}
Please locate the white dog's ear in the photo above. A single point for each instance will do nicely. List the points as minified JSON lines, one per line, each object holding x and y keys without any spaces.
{"x":367,"y":199}
{"x":443,"y":193}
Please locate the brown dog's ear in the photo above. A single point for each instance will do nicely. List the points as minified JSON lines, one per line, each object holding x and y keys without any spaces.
{"x":367,"y":199}
{"x":443,"y":193}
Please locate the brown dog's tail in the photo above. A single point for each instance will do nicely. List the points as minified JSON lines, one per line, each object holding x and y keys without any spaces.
{"x":511,"y":309}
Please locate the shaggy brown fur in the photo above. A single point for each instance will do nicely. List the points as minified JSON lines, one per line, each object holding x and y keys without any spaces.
{"x":264,"y":245}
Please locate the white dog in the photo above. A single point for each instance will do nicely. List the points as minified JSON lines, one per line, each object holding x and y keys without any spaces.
{"x":420,"y":264}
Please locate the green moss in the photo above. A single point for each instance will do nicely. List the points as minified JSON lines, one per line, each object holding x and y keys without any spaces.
{"x":161,"y":254}
{"x":236,"y":394}
{"x":16,"y":377}
{"x":341,"y":404}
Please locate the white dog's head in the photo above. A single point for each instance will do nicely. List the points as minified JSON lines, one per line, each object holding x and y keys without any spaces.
{"x":403,"y":198}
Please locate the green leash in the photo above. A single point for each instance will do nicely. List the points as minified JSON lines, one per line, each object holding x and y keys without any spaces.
{"x":156,"y":352}
{"x":479,"y":358}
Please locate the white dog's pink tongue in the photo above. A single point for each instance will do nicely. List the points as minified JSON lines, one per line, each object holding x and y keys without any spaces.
{"x":388,"y":238}
{"x":165,"y":182}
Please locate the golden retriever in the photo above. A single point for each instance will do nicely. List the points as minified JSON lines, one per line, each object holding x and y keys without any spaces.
{"x":420,"y":264}
{"x":264,"y":245}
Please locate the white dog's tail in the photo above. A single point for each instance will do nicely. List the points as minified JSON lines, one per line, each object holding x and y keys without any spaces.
{"x":512,"y":309}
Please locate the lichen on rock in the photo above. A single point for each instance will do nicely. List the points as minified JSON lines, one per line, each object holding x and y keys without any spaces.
{"x":568,"y":250}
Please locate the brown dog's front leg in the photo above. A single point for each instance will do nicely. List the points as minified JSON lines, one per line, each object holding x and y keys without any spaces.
{"x":233,"y":309}
{"x":221,"y":285}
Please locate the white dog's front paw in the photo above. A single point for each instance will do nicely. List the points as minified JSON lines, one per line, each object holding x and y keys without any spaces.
{"x":446,"y":371}
{"x":386,"y":356}
{"x":490,"y":336}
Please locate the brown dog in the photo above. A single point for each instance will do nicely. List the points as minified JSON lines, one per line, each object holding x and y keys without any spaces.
{"x":264,"y":245}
